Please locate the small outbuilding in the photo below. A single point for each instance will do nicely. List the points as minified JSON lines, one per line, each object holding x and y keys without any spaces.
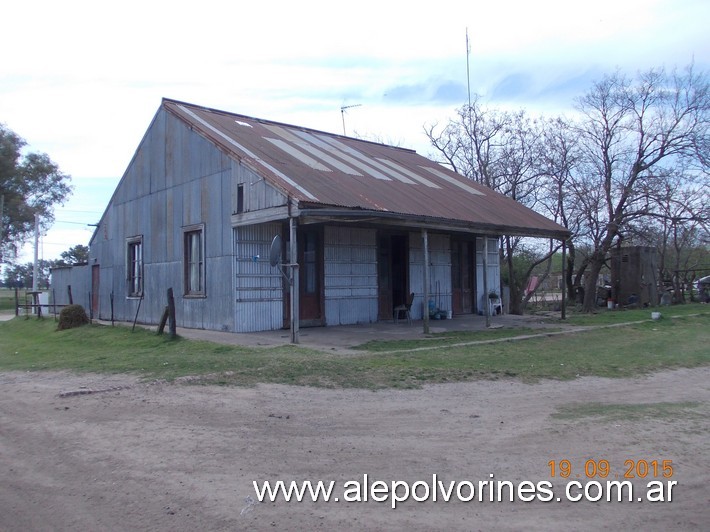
{"x":361,"y":227}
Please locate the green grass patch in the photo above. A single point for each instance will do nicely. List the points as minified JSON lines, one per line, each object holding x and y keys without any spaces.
{"x":447,"y":338}
{"x":7,"y":299}
{"x":613,"y":352}
{"x":609,"y":412}
{"x":610,"y":317}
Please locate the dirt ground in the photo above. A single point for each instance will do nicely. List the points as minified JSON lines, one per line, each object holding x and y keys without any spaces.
{"x":156,"y":456}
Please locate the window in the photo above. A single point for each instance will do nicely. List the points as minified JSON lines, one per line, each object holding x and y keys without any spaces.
{"x":194,"y":260}
{"x":240,"y":198}
{"x":134,"y":266}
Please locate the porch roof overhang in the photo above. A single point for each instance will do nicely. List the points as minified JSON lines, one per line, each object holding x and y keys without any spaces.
{"x":316,"y":214}
{"x":310,"y":215}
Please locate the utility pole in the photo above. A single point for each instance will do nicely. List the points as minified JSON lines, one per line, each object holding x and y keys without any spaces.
{"x":2,"y":212}
{"x":35,"y":269}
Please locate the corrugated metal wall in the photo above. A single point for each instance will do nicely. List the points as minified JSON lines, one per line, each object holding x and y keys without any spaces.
{"x":258,"y":285}
{"x":493,"y":271}
{"x":439,"y":271}
{"x":178,"y":179}
{"x":175,"y":179}
{"x":350,"y":264}
{"x":79,"y":278}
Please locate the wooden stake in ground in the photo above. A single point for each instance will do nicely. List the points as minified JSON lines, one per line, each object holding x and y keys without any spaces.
{"x":171,"y":314}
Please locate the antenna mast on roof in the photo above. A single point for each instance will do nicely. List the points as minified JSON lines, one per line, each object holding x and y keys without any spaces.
{"x":342,"y":113}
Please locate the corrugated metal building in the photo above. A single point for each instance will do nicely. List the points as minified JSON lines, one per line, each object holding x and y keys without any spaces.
{"x":207,"y":191}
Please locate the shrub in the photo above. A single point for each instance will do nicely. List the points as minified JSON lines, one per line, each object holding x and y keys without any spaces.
{"x":72,"y":316}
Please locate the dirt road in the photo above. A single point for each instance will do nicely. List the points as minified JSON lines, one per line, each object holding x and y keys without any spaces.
{"x":183,"y":457}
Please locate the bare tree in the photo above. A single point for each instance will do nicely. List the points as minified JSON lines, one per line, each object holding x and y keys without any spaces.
{"x":501,"y":150}
{"x":632,"y":133}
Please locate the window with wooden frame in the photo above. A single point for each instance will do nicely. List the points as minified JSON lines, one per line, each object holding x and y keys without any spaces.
{"x":194,"y":260}
{"x":134,"y":266}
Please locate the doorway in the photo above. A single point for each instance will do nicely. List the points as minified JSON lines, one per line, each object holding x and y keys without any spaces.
{"x":392,"y":273}
{"x":95,"y":285}
{"x":463,"y":278}
{"x":310,"y":277}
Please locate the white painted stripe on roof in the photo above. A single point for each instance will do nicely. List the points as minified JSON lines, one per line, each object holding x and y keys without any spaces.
{"x":356,"y":163}
{"x":451,"y":180}
{"x":248,"y":153}
{"x":369,"y":160}
{"x":298,"y":154}
{"x":305,"y":145}
{"x":407,"y":171}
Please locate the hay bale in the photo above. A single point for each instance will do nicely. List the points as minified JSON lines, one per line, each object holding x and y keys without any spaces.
{"x":72,"y":316}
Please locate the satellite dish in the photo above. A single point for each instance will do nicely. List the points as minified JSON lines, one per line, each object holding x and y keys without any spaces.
{"x":275,"y":251}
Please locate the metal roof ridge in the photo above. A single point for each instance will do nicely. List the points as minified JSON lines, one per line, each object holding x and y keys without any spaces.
{"x":282,"y":124}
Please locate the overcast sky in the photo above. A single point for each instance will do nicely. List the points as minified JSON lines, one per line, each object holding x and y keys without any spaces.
{"x":81,"y":80}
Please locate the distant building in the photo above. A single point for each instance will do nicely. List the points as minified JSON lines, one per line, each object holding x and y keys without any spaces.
{"x":635,"y":275}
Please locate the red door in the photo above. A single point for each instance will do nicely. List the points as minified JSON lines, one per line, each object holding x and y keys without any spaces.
{"x":462,"y":276}
{"x":95,"y":272}
{"x":310,"y":268}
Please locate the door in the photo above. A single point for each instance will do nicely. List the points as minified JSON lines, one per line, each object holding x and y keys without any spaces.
{"x":392,"y":273}
{"x":310,"y":261}
{"x":95,"y":285}
{"x":462,"y":276}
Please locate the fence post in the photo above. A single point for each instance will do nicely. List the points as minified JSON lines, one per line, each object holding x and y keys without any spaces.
{"x":171,"y":314}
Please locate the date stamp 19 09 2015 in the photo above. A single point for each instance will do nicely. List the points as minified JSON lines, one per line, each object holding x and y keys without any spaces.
{"x":631,"y":469}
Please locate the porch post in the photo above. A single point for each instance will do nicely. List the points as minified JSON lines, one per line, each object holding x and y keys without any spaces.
{"x":486,"y":304}
{"x":425,"y":306}
{"x":293,"y":260}
{"x":563,"y":305}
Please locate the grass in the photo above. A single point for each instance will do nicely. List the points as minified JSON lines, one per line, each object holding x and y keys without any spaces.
{"x":32,"y":345}
{"x":609,"y":317}
{"x":610,"y":412}
{"x":7,"y":299}
{"x":449,"y":338}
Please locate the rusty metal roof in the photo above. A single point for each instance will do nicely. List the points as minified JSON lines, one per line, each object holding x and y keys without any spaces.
{"x":325,"y":170}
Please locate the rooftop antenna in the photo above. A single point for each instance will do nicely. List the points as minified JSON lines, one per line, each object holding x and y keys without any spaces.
{"x":342,"y":113}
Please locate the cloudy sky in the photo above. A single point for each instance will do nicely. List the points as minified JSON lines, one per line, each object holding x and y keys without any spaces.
{"x":81,"y":80}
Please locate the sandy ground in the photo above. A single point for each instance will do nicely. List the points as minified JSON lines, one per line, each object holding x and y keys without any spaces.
{"x":155,"y":456}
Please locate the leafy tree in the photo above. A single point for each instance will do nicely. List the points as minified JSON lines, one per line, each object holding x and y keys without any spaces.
{"x":30,"y":185}
{"x":21,"y":275}
{"x":78,"y":254}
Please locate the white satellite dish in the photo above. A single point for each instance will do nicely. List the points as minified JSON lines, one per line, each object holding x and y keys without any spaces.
{"x":275,"y":251}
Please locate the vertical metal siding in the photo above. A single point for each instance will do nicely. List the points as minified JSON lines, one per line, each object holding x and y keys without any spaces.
{"x":493,"y":270}
{"x":258,"y":285}
{"x":350,"y":266}
{"x":176,"y":178}
{"x":79,"y":278}
{"x":439,"y":272}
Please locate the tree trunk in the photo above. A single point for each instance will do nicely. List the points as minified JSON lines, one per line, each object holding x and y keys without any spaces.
{"x":569,"y":270}
{"x":515,"y":297}
{"x":596,"y":261}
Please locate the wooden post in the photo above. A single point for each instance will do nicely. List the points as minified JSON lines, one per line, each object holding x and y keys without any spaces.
{"x":71,"y":299}
{"x":172,"y":326}
{"x":111,"y":308}
{"x":487,"y":304}
{"x":164,"y":320}
{"x":563,"y":306}
{"x":17,"y":302}
{"x":425,"y":308}
{"x":295,"y":318}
